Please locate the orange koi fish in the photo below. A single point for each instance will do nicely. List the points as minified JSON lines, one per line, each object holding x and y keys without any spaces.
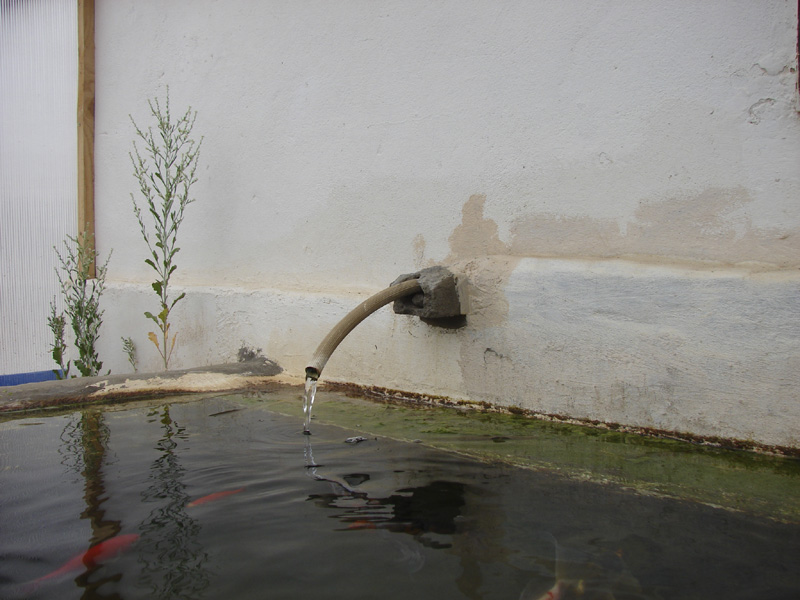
{"x":362,"y":524}
{"x":555,"y":593}
{"x":212,"y":497}
{"x":93,"y":556}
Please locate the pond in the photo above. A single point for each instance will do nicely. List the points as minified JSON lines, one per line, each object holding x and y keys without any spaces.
{"x":224,"y":497}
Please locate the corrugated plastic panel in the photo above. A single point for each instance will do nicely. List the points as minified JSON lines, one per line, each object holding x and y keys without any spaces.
{"x":38,"y":170}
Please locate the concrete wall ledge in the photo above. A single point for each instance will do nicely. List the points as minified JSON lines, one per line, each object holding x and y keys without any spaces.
{"x":86,"y":390}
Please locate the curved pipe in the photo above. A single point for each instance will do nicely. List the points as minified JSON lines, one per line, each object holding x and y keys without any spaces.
{"x":353,"y":318}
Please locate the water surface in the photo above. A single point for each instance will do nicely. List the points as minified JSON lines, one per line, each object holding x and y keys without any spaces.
{"x":318,"y":516}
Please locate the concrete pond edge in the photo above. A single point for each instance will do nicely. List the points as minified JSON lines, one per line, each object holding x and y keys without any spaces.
{"x":229,"y":377}
{"x":260,"y":372}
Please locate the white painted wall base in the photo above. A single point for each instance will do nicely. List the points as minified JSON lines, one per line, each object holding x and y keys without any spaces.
{"x":709,"y":352}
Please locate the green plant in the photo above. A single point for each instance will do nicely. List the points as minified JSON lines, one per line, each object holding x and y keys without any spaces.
{"x":165,"y":175}
{"x":57,"y":324}
{"x":130,"y":351}
{"x":82,"y":299}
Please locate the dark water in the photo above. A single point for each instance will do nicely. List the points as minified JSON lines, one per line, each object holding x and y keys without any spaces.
{"x":316,"y":517}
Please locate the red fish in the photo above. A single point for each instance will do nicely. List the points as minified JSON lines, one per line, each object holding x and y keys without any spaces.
{"x":212,"y":497}
{"x":395,"y":526}
{"x":362,"y":524}
{"x":96,"y":554}
{"x":554,"y":593}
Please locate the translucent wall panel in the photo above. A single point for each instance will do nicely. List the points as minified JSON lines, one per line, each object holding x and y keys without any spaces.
{"x":38,"y":172}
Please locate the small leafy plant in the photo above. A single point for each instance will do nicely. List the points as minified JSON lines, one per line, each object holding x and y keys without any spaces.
{"x":165,"y":170}
{"x":130,"y":351}
{"x":82,"y":298}
{"x":57,"y":324}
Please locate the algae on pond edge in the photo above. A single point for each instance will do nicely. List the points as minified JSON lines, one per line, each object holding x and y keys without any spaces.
{"x":764,"y":485}
{"x":759,"y":484}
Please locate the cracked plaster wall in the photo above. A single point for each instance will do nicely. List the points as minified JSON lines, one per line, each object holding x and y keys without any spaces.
{"x":619,"y":182}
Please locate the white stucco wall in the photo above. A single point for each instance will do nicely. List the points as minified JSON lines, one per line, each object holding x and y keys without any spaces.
{"x":619,"y":181}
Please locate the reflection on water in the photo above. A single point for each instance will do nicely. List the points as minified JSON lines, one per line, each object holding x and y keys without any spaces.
{"x":275,"y":517}
{"x":94,"y":443}
{"x":85,"y":446}
{"x":173,"y":559}
{"x":439,"y":515}
{"x":451,"y":516}
{"x":425,"y":512}
{"x":422,"y":512}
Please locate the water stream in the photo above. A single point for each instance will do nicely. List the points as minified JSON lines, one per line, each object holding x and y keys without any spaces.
{"x":308,"y":402}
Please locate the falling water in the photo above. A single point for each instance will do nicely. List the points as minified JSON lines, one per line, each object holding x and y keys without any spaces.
{"x":308,"y":402}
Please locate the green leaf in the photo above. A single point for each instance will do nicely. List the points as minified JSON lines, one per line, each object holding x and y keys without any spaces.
{"x":174,"y":302}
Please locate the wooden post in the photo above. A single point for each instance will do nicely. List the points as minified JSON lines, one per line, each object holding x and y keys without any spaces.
{"x":86,"y":121}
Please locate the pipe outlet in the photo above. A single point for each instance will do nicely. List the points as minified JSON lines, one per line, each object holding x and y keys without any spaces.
{"x":432,"y":293}
{"x":441,"y":295}
{"x":353,"y":318}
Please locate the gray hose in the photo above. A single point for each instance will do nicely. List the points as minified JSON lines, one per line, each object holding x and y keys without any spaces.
{"x":353,"y":318}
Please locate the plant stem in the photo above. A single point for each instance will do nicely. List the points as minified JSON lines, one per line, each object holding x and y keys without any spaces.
{"x":165,"y":171}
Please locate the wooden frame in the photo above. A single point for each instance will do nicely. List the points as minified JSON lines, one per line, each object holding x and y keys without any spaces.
{"x":85,"y":120}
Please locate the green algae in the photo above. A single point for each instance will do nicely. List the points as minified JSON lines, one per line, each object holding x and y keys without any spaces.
{"x":760,"y":484}
{"x":765,"y":485}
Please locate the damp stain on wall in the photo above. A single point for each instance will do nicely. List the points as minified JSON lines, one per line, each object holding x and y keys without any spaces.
{"x":713,"y":226}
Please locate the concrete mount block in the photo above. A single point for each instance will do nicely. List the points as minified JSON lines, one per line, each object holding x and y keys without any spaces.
{"x":441,"y":297}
